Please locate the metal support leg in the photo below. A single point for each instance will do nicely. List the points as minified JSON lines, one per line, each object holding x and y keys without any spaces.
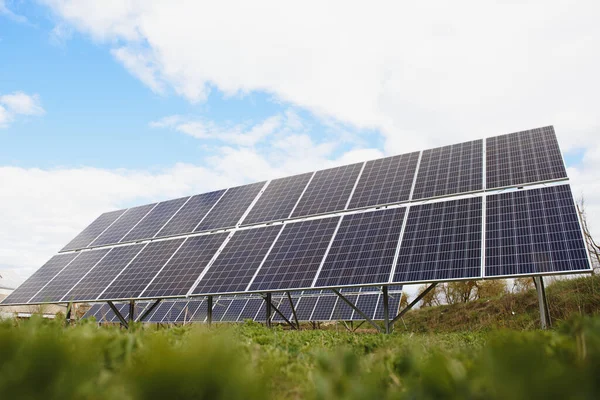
{"x":386,"y":309}
{"x":543,"y":302}
{"x":131,"y":311}
{"x":69,"y":312}
{"x":293,"y":310}
{"x":118,"y":314}
{"x":148,"y":310}
{"x":358,"y":310}
{"x":412,"y":304}
{"x":209,"y":305}
{"x":268,"y":309}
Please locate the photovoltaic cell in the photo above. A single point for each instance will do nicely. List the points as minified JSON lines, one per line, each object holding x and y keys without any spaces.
{"x":533,"y":231}
{"x":296,"y":255}
{"x":285,"y":308}
{"x":178,"y":276}
{"x":192,"y":309}
{"x":90,"y":287}
{"x":235,"y":266}
{"x":523,"y":157}
{"x":324,"y":308}
{"x":251,"y":308}
{"x":219,"y":308}
{"x":190,"y":215}
{"x":278,"y":200}
{"x":393,"y":304}
{"x":363,"y":249}
{"x":105,"y":314}
{"x":328,"y":191}
{"x":442,"y":241}
{"x":42,"y":276}
{"x":386,"y":180}
{"x":305,"y":307}
{"x":68,"y":277}
{"x":449,"y":170}
{"x":231,"y":207}
{"x":120,"y":228}
{"x":234,"y":311}
{"x":161,"y":310}
{"x":174,"y":312}
{"x":134,"y":279}
{"x":93,"y":230}
{"x":92,"y":311}
{"x":342,"y":311}
{"x":155,"y":220}
{"x":367,"y":303}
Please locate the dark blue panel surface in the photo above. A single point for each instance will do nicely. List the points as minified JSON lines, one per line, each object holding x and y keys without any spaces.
{"x":363,"y":249}
{"x":120,"y":227}
{"x":93,"y":230}
{"x":190,"y":215}
{"x":533,"y":231}
{"x":386,"y":180}
{"x":154,"y":221}
{"x":449,"y":170}
{"x":295,"y":258}
{"x":442,"y":241}
{"x":523,"y":157}
{"x":328,"y":191}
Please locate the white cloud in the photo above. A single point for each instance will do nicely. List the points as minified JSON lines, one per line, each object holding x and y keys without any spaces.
{"x":4,"y":10}
{"x":18,"y":103}
{"x":140,"y":64}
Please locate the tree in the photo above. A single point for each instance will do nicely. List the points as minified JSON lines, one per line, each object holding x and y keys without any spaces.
{"x":491,"y":288}
{"x":459,"y":291}
{"x":592,"y":246}
{"x":432,"y":298}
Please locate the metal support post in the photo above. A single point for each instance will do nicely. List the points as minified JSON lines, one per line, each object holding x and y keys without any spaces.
{"x":209,"y":305}
{"x":118,"y":314}
{"x":268,"y":309}
{"x":293,"y":310}
{"x":68,"y":315}
{"x":131,"y":311}
{"x":362,"y":314}
{"x":543,"y":302}
{"x":148,"y":310}
{"x":386,"y":309}
{"x":412,"y":304}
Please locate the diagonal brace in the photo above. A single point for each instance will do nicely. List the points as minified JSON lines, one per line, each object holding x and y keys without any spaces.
{"x":362,"y":314}
{"x":118,"y":314}
{"x":148,"y":310}
{"x":412,"y":304}
{"x":293,"y":310}
{"x":281,"y":314}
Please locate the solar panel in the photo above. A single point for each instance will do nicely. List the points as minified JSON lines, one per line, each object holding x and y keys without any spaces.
{"x":192,"y":309}
{"x":296,"y":255}
{"x":93,"y":230}
{"x":41,"y":277}
{"x":90,"y":287}
{"x":285,"y":308}
{"x":235,"y":309}
{"x":251,"y":309}
{"x":190,"y":215}
{"x":393,"y":306}
{"x":201,"y":312}
{"x":328,"y":191}
{"x":235,"y":266}
{"x":367,"y":303}
{"x":386,"y":180}
{"x":442,"y":241}
{"x":134,"y":279}
{"x":523,"y":157}
{"x":231,"y":207}
{"x":159,"y":313}
{"x":154,"y":221}
{"x":278,"y":200}
{"x":363,"y":249}
{"x":219,"y":308}
{"x":305,"y":307}
{"x":91,"y":312}
{"x":324,"y":308}
{"x":342,"y":311}
{"x":449,"y":170}
{"x":105,"y":314}
{"x":68,"y":277}
{"x":123,"y":225}
{"x":180,"y":273}
{"x":173,"y":314}
{"x":533,"y":231}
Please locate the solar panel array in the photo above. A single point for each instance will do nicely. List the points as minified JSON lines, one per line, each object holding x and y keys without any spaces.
{"x":418,"y":217}
{"x":308,"y":307}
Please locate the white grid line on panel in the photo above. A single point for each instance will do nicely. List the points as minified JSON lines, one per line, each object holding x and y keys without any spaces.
{"x":256,"y":198}
{"x":414,"y":183}
{"x":163,"y":267}
{"x":314,"y":282}
{"x":264,"y":259}
{"x":362,"y":168}
{"x":133,"y":227}
{"x":242,"y":310}
{"x":302,"y":194}
{"x":172,"y":216}
{"x":184,"y":309}
{"x":86,"y":274}
{"x":401,"y":236}
{"x":213,"y":206}
{"x":124,"y":268}
{"x":107,"y":228}
{"x":58,"y":273}
{"x":210,"y":263}
{"x":167,"y":312}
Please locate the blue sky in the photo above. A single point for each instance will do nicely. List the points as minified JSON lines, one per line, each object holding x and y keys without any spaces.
{"x":106,"y":106}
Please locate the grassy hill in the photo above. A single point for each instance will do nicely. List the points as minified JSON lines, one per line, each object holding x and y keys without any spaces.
{"x":566,"y":298}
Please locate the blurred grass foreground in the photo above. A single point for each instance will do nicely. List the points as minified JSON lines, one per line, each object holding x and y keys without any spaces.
{"x":43,"y":359}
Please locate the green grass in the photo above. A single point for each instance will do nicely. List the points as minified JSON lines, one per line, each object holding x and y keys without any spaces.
{"x":44,"y":359}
